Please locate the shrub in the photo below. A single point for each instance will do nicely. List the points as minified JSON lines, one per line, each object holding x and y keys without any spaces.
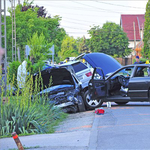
{"x":13,"y":71}
{"x":26,"y":115}
{"x":35,"y":67}
{"x":143,"y":60}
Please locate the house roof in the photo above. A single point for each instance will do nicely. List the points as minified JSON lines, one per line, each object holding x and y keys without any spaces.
{"x":126,"y":23}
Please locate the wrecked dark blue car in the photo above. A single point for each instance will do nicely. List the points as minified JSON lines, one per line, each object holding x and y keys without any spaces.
{"x":62,"y":89}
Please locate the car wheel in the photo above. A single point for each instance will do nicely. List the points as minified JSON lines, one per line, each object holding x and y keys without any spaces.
{"x":121,"y":103}
{"x":90,"y":103}
{"x":81,"y":106}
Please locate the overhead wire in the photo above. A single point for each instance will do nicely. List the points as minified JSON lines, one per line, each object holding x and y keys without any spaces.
{"x":106,"y":10}
{"x":102,"y":10}
{"x":119,"y":5}
{"x":74,"y":8}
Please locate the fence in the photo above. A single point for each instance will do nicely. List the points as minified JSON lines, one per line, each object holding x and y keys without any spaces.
{"x":125,"y":61}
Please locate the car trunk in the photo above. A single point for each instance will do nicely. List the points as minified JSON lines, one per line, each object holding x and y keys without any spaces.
{"x":54,"y":76}
{"x":106,"y":62}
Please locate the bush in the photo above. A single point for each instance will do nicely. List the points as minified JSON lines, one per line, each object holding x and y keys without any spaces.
{"x":143,"y":60}
{"x":13,"y":71}
{"x":26,"y":115}
{"x":35,"y":67}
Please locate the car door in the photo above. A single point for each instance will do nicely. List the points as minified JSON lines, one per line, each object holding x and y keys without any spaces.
{"x":97,"y":86}
{"x":139,"y":84}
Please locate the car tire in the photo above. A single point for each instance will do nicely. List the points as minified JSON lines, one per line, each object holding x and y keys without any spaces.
{"x":121,"y":103}
{"x":81,"y":105}
{"x":91,"y":104}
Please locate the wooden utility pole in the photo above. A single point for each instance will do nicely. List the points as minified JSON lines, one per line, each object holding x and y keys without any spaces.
{"x":134,"y":37}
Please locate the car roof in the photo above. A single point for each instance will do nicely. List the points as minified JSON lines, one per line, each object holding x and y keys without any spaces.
{"x":137,"y":65}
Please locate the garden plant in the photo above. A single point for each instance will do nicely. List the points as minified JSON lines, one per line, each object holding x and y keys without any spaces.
{"x":23,"y":111}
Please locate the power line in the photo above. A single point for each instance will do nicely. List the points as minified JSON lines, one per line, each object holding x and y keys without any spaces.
{"x":76,"y":23}
{"x":120,"y":5}
{"x":106,"y":10}
{"x":81,"y":20}
{"x":85,"y":14}
{"x":73,"y":8}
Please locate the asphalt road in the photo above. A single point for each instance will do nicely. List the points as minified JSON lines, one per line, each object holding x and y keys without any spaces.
{"x":124,"y":127}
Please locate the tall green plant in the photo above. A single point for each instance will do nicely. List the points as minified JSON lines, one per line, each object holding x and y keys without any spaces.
{"x":27,"y":112}
{"x":147,"y":31}
{"x":13,"y":67}
{"x":28,"y":23}
{"x":109,"y":39}
{"x":68,"y":48}
{"x":39,"y":47}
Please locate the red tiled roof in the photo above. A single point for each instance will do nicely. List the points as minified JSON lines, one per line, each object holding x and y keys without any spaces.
{"x":127,"y":25}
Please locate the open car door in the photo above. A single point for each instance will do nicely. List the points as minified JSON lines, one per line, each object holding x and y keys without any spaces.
{"x":97,"y":86}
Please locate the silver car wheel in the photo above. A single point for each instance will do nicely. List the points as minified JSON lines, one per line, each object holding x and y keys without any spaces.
{"x":91,"y":102}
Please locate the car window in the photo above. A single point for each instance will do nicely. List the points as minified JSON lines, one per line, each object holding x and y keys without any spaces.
{"x":79,"y":67}
{"x":125,"y":72}
{"x":98,"y":74}
{"x":143,"y":71}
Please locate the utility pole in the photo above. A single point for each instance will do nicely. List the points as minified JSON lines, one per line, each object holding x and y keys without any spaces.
{"x":3,"y":10}
{"x":134,"y":38}
{"x":3,"y":37}
{"x":13,"y":30}
{"x":18,"y":2}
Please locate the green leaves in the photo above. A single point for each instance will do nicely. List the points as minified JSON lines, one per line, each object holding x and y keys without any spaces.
{"x":39,"y":47}
{"x":68,"y":48}
{"x":109,"y":39}
{"x":26,"y":115}
{"x":146,"y":27}
{"x":27,"y":24}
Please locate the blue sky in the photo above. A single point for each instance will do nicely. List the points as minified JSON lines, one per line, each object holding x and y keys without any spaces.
{"x":79,"y":16}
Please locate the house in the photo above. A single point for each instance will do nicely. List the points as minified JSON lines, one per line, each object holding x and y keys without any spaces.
{"x":133,"y":25}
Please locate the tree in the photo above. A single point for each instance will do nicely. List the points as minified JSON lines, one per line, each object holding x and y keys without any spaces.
{"x":83,"y":48}
{"x":68,"y":48}
{"x":39,"y":47}
{"x":147,"y":31}
{"x":27,"y":23}
{"x":109,"y":39}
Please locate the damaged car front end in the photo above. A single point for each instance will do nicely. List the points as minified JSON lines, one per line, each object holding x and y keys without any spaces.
{"x":62,"y":89}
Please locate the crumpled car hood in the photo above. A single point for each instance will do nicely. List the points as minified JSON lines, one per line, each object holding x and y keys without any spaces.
{"x":56,"y":89}
{"x":106,"y":62}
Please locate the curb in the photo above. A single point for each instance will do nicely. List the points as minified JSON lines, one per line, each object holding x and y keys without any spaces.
{"x":94,"y":134}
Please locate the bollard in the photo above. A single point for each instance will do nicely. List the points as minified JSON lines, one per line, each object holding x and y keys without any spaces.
{"x":108,"y":104}
{"x":16,"y":138}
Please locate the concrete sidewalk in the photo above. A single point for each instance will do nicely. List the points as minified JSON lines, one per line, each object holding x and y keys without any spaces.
{"x":70,"y":140}
{"x":83,"y":137}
